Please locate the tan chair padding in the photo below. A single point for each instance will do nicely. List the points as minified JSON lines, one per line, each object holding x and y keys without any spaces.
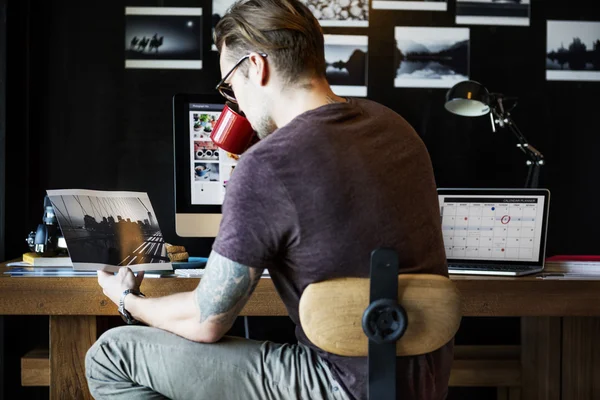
{"x":331,"y":314}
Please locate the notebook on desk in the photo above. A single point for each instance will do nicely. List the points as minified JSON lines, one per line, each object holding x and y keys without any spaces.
{"x":494,"y":231}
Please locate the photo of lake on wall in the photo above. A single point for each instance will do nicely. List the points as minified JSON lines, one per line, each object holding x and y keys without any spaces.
{"x":431,"y":57}
{"x":573,"y":51}
{"x":346,"y":64}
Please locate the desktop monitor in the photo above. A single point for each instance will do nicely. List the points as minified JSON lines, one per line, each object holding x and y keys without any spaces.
{"x":201,"y":168}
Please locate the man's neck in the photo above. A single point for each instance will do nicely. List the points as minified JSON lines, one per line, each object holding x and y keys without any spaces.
{"x":294,"y":102}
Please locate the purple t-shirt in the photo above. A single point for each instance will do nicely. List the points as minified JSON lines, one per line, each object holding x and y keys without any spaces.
{"x":311,"y":202}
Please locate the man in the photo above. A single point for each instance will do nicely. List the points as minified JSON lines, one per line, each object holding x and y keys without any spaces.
{"x":331,"y":180}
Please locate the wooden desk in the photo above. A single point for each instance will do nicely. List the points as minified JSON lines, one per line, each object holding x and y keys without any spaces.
{"x":556,"y":312}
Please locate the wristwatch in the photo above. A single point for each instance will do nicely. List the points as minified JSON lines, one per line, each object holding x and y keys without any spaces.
{"x":126,"y":315}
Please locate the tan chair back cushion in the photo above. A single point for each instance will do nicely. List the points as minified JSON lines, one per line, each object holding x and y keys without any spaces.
{"x":331,"y":314}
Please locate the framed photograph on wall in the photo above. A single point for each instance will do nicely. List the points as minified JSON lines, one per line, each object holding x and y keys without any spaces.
{"x":340,"y":13}
{"x":346,"y":63}
{"x":219,"y":8}
{"x":424,"y":5}
{"x":163,"y":38}
{"x":573,"y":51}
{"x":493,"y":12}
{"x":431,"y":57}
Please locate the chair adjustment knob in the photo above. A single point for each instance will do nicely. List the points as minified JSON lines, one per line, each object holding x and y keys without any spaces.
{"x":384,"y":321}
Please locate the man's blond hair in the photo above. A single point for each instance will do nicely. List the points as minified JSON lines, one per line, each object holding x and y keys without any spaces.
{"x":285,"y":30}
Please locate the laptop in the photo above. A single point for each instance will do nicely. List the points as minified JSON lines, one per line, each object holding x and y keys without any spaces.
{"x":494,"y":231}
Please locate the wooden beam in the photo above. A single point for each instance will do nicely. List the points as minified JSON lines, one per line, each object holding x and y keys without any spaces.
{"x":70,"y":339}
{"x":490,"y":373}
{"x":35,"y":368}
{"x":487,"y":352}
{"x":540,"y":358}
{"x":581,"y":358}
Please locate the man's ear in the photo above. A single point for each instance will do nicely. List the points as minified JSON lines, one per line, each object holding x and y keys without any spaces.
{"x":259,"y":69}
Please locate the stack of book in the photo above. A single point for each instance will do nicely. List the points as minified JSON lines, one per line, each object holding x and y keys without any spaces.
{"x":573,"y":266}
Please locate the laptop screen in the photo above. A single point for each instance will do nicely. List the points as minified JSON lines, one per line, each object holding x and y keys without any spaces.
{"x":493,"y":225}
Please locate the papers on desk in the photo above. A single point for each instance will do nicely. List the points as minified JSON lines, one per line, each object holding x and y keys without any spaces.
{"x":47,"y":272}
{"x":572,"y":267}
{"x":198,"y":273}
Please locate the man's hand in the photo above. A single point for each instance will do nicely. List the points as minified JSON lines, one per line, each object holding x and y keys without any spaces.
{"x":114,"y":285}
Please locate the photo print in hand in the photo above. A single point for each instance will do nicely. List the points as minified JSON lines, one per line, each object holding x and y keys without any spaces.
{"x":573,"y":51}
{"x":428,"y":57}
{"x":340,"y":13}
{"x":424,"y":5}
{"x":493,"y":12}
{"x":163,"y":38}
{"x":346,"y":62}
{"x":106,"y":230}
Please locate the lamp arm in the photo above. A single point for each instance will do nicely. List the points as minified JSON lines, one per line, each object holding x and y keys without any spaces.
{"x":535,"y":155}
{"x":504,"y":119}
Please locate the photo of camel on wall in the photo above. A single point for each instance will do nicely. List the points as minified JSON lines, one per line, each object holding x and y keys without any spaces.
{"x":431,"y":57}
{"x":346,"y":64}
{"x":163,"y":38}
{"x":573,"y":51}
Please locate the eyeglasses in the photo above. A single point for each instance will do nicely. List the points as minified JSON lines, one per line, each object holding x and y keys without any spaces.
{"x":225,"y":88}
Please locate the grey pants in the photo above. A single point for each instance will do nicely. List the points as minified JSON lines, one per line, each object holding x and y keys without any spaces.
{"x":138,"y":362}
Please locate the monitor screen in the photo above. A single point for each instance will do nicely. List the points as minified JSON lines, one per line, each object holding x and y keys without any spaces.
{"x":486,"y":227}
{"x":201,"y":169}
{"x":210,"y":167}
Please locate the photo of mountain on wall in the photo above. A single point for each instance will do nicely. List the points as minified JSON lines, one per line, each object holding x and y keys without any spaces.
{"x":346,"y":63}
{"x":431,"y":57}
{"x":573,"y":50}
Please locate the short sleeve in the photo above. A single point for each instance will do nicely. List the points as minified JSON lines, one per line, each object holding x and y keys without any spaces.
{"x":259,"y":220}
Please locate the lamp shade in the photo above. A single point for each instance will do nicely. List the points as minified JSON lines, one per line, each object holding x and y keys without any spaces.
{"x":468,"y":99}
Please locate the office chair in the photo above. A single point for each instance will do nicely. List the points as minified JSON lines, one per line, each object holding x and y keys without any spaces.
{"x":381,"y":317}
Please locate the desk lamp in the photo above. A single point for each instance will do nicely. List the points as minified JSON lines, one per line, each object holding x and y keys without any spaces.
{"x":472,"y":99}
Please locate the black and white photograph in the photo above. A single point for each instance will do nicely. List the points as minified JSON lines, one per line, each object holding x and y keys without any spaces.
{"x":107,"y":230}
{"x":423,"y":5}
{"x":219,"y":8}
{"x":493,"y":12}
{"x":346,"y":63}
{"x":163,"y":38}
{"x":573,"y":51}
{"x":428,"y":57}
{"x":340,"y":13}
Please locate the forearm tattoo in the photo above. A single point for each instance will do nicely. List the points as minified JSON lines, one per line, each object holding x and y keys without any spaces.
{"x":225,"y":288}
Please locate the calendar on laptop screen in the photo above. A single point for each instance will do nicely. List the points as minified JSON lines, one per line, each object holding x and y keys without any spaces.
{"x":492,"y":227}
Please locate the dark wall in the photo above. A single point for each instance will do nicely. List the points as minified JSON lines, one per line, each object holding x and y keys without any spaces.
{"x":2,"y":166}
{"x":84,"y":121}
{"x":77,"y":119}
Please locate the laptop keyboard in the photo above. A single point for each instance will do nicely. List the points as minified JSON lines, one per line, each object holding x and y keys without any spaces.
{"x":488,"y":267}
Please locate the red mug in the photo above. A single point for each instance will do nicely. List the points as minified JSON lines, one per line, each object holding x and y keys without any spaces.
{"x":232,"y":131}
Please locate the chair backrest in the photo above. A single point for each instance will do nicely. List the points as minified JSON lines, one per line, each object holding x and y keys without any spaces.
{"x":331,"y":313}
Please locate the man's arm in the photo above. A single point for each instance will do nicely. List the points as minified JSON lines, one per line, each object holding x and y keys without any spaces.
{"x":207,"y":313}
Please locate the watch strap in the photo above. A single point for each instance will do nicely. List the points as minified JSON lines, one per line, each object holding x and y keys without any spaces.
{"x":123,"y":311}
